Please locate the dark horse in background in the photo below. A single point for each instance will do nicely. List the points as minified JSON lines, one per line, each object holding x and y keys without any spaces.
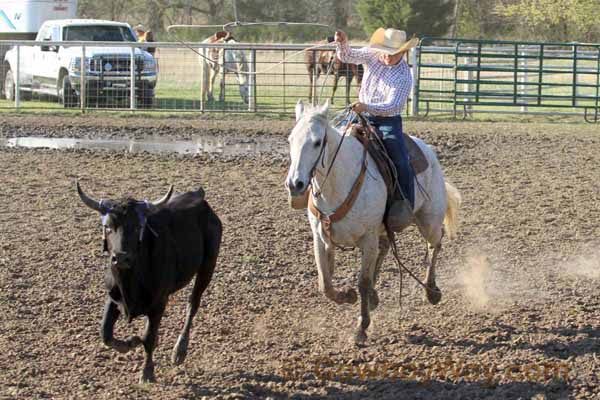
{"x":318,"y":62}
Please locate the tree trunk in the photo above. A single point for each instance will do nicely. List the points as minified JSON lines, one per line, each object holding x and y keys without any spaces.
{"x":455,"y":18}
{"x":341,"y":12}
{"x":156,"y":13}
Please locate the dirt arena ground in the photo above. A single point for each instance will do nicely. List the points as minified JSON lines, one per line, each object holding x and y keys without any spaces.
{"x":519,"y":318}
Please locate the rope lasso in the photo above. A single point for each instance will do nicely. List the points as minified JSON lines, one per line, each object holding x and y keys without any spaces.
{"x":189,"y":46}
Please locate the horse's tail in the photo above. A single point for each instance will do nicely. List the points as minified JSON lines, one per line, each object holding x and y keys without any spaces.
{"x":453,"y":200}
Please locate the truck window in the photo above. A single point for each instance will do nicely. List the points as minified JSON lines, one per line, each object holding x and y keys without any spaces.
{"x":98,"y":33}
{"x":43,"y":33}
{"x":55,"y":33}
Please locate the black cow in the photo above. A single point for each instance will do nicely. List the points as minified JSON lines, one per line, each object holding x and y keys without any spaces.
{"x":155,"y":249}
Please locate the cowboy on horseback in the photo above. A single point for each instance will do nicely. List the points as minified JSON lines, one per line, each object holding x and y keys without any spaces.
{"x":385,"y":88}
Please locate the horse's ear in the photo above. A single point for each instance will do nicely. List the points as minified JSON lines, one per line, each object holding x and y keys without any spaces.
{"x":299,"y":110}
{"x":324,"y":108}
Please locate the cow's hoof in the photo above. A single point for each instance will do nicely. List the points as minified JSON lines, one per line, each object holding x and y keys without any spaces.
{"x":434,"y":295}
{"x":148,"y":376}
{"x":134,"y":341}
{"x":350,"y":296}
{"x":373,"y":299}
{"x":147,"y":379}
{"x":124,"y":346}
{"x":180,"y":351}
{"x":360,"y":340}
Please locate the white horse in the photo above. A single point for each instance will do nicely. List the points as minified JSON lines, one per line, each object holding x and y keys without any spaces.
{"x":363,"y":225}
{"x":234,"y":62}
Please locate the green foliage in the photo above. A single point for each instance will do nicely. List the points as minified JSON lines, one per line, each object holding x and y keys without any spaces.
{"x":377,"y":13}
{"x":565,"y":20}
{"x":475,"y":21}
{"x":420,"y":17}
{"x":538,"y":20}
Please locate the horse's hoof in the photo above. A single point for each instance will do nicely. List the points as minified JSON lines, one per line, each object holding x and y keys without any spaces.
{"x":360,"y":339}
{"x":179,"y":351}
{"x":350,"y":296}
{"x":373,"y":300}
{"x":434,"y":295}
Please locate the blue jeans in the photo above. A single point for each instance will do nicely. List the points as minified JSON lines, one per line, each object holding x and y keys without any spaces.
{"x":391,"y":130}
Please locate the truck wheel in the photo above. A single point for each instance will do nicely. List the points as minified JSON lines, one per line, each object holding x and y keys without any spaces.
{"x":9,"y":86}
{"x":147,"y":100}
{"x":67,"y":94}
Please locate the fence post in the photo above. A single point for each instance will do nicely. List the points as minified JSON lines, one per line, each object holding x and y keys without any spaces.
{"x":82,"y":91}
{"x":223,"y":83}
{"x":18,"y":80}
{"x":252,"y":82}
{"x":524,"y":78}
{"x":415,"y":75}
{"x":132,"y":78}
{"x":313,"y":86}
{"x":469,"y":85}
{"x":284,"y":85}
{"x":575,"y":76}
{"x":203,"y":73}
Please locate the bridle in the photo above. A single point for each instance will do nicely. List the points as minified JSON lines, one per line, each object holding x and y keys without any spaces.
{"x":346,"y":114}
{"x":321,"y":158}
{"x":343,"y":209}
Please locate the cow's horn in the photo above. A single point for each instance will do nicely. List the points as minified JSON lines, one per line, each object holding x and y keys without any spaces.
{"x":165,"y":198}
{"x":88,"y":201}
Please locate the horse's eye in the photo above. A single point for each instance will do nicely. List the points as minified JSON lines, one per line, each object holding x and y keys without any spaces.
{"x":317,"y":143}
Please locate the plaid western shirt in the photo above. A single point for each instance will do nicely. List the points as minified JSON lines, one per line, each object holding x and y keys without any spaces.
{"x":384,"y":89}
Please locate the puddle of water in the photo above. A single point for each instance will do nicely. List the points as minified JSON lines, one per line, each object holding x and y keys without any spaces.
{"x":197,"y":145}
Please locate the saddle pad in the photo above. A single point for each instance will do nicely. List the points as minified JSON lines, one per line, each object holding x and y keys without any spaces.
{"x":415,"y":154}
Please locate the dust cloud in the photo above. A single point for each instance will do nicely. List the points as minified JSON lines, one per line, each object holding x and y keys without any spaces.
{"x":585,"y":265}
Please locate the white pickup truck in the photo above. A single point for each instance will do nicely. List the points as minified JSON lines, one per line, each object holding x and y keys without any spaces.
{"x":57,"y":70}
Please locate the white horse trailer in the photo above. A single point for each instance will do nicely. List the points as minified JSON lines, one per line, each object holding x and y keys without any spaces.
{"x":21,"y":19}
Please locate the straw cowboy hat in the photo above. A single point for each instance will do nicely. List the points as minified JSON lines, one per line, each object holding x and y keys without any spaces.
{"x":391,"y":41}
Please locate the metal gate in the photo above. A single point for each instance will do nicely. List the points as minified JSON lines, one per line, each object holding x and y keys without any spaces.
{"x":462,"y":77}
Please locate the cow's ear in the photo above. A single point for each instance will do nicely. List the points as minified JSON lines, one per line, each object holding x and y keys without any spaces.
{"x":299,"y":110}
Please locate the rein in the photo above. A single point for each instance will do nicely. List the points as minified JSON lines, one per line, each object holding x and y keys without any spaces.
{"x":337,"y":150}
{"x":208,"y":59}
{"x":340,"y":212}
{"x":401,"y":266}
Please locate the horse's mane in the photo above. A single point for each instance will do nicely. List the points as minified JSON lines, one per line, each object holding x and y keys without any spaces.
{"x":315,"y":113}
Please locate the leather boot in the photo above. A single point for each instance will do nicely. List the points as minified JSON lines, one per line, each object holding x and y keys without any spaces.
{"x":400,"y":214}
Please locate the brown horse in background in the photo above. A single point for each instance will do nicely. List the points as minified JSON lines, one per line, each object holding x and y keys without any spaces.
{"x":324,"y":58}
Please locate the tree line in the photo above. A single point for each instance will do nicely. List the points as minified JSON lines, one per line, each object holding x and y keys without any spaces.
{"x":534,"y":20}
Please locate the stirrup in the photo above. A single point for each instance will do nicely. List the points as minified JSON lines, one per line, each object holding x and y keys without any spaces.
{"x":400,"y":215}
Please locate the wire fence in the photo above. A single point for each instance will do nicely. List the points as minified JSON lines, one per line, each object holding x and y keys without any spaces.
{"x":460,"y":77}
{"x":177,"y":77}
